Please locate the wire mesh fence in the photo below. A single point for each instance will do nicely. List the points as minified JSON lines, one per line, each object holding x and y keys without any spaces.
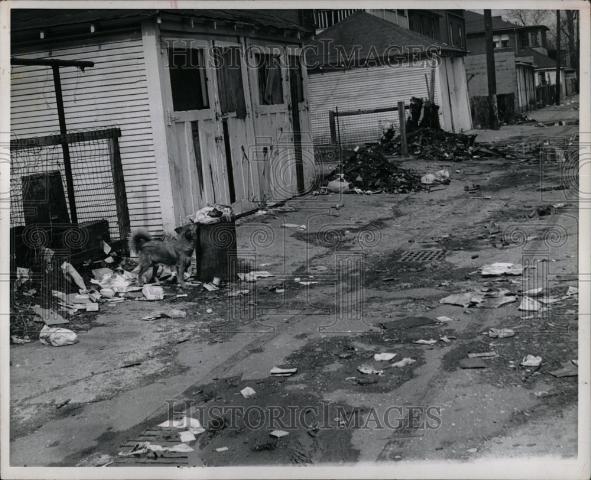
{"x":38,"y":181}
{"x":347,"y":129}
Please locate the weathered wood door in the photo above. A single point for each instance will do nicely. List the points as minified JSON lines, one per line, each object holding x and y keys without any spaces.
{"x":269,"y":90}
{"x":192,"y":135}
{"x":303,"y":149}
{"x":235,"y":127}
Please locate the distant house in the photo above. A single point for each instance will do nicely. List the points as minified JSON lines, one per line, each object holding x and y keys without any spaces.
{"x":193,"y":130}
{"x":365,"y":62}
{"x":324,"y":18}
{"x":545,"y":72}
{"x":514,"y":69}
{"x":447,"y":26}
{"x":523,"y":68}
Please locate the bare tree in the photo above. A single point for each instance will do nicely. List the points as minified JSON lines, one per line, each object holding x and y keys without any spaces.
{"x":527,"y":17}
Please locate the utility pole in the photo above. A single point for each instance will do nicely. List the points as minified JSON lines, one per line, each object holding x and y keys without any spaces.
{"x":578,"y":47}
{"x":493,"y":112}
{"x":557,"y":57}
{"x":572,"y":51}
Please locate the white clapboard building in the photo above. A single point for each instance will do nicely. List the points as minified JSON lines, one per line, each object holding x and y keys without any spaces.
{"x":211,"y":104}
{"x":368,"y":63}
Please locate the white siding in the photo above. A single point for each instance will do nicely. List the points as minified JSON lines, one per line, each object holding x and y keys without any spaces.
{"x":455,"y":104}
{"x":364,"y":88}
{"x":111,"y":94}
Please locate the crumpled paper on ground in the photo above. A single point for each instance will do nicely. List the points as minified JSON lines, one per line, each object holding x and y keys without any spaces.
{"x":500,"y":268}
{"x":57,"y":337}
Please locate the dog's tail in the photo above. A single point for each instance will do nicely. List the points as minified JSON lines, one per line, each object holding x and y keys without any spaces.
{"x":138,"y":238}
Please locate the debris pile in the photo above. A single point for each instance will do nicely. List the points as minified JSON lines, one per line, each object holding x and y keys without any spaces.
{"x":436,"y":144}
{"x":368,"y":169}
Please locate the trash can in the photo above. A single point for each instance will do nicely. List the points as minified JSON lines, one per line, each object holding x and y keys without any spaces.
{"x":215,"y":250}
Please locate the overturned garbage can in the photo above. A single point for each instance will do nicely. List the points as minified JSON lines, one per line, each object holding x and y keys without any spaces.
{"x":215,"y":245}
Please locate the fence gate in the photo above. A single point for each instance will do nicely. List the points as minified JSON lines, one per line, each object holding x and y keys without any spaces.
{"x":40,"y":199}
{"x":349,"y":128}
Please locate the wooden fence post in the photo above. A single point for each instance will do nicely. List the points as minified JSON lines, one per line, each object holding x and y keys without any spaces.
{"x":333,"y":130}
{"x":119,"y":188}
{"x":402,"y":120}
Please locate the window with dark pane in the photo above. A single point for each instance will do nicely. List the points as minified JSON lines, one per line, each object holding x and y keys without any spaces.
{"x":270,"y":82}
{"x":229,"y":75}
{"x":188,"y":79}
{"x":296,"y":78}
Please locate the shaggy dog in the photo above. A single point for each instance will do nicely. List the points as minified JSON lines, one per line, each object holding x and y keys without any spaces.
{"x":172,"y":252}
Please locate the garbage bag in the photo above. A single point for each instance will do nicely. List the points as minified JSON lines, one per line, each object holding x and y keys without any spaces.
{"x":209,"y":214}
{"x":153,"y":292}
{"x":338,"y":185}
{"x":439,"y":177}
{"x":57,"y":337}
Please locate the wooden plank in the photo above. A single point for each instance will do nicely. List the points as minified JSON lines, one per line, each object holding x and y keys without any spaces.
{"x":119,"y":187}
{"x":70,"y":138}
{"x":366,"y":111}
{"x":50,"y":62}
{"x":402,"y":127}
{"x":332,"y":127}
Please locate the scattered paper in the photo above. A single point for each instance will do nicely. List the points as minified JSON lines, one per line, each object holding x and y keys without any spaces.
{"x":482,"y":355}
{"x":279,"y":433}
{"x":425,"y":342}
{"x":191,"y":424}
{"x":383,"y":357}
{"x":444,"y":319}
{"x":248,"y":392}
{"x":210,"y":287}
{"x":221,"y":449}
{"x":153,"y":292}
{"x":57,"y":337}
{"x":180,"y":448}
{"x":530,"y":305}
{"x":253,"y":276}
{"x":187,"y":436}
{"x":534,"y":292}
{"x":572,"y":291}
{"x":462,"y":299}
{"x":294,"y":225}
{"x":404,"y":362}
{"x":369,"y":370}
{"x":500,"y":333}
{"x":531,"y":361}
{"x":283,"y":372}
{"x":497,"y":299}
{"x":500,"y":268}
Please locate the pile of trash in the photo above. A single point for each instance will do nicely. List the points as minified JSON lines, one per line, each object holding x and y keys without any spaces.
{"x":212,"y":214}
{"x":436,"y":144}
{"x":369,"y":169}
{"x":427,"y":141}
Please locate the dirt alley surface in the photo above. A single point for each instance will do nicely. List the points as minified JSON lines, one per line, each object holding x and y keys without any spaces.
{"x":124,"y":376}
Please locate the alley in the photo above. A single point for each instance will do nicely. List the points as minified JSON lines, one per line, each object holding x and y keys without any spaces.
{"x":365,"y":275}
